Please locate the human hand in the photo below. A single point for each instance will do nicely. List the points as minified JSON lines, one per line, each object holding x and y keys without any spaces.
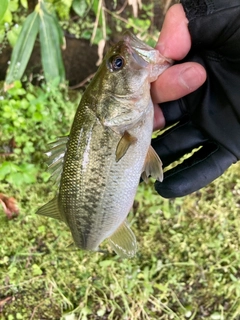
{"x":181,"y":79}
{"x":209,"y":117}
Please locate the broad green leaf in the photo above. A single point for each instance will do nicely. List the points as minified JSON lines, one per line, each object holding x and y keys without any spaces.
{"x":79,"y":6}
{"x":24,"y":3}
{"x":51,"y":38}
{"x":3,"y":8}
{"x":6,"y":168}
{"x":7,"y":17}
{"x":13,"y":5}
{"x":13,"y":34}
{"x":23,"y":48}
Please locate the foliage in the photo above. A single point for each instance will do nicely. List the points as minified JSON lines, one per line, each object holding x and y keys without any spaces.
{"x":51,"y":39}
{"x":23,"y":48}
{"x":187,"y":266}
{"x":3,"y":8}
{"x":11,"y":23}
{"x":107,"y":22}
{"x":87,"y":19}
{"x":28,"y":116}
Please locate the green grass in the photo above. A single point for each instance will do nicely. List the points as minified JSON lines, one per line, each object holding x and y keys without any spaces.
{"x":187,"y":266}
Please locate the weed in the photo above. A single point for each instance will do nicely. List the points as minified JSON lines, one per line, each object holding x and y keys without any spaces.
{"x":28,"y":116}
{"x":187,"y":266}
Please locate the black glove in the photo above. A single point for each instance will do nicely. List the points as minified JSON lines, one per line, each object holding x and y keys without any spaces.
{"x":209,"y":117}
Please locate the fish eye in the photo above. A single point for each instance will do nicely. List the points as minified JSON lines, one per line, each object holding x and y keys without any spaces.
{"x":116,"y":63}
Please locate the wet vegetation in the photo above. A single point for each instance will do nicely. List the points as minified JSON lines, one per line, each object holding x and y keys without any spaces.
{"x":187,"y":266}
{"x":188,"y":262}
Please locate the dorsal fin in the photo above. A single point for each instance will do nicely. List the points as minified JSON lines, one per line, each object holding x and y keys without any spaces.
{"x":55,"y":158}
{"x":123,"y":241}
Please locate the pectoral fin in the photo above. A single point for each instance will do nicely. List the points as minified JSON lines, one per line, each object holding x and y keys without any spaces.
{"x":123,"y":241}
{"x":123,"y":145}
{"x":50,"y":209}
{"x":152,"y":166}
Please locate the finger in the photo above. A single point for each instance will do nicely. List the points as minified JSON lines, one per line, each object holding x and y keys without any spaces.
{"x":174,"y":41}
{"x":178,"y":81}
{"x":196,"y":172}
{"x":159,"y":121}
{"x":177,"y":141}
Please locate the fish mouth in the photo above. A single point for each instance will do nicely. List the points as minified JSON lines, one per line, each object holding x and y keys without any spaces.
{"x":142,"y":52}
{"x":135,"y":42}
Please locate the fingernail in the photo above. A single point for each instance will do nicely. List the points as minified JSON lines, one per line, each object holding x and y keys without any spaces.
{"x":189,"y":78}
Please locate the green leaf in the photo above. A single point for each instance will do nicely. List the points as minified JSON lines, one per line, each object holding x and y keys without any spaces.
{"x":6,"y":168}
{"x":79,"y":6}
{"x":106,"y":263}
{"x":13,"y":5}
{"x":13,"y":34}
{"x":36,"y":270}
{"x":50,"y":40}
{"x":3,"y":8}
{"x":24,"y":3}
{"x":23,"y":48}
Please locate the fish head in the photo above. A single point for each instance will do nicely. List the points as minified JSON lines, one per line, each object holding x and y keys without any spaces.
{"x":130,"y":64}
{"x":121,"y":87}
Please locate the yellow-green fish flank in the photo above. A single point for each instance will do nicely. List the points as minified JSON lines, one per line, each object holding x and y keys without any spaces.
{"x":98,"y":167}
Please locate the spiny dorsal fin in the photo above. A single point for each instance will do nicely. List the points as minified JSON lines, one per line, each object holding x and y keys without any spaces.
{"x":123,"y":145}
{"x":123,"y":241}
{"x":152,"y":166}
{"x":55,"y":158}
{"x":51,"y":209}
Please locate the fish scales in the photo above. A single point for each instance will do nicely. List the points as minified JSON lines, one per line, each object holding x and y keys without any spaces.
{"x":88,"y":180}
{"x":99,"y":189}
{"x":108,"y":149}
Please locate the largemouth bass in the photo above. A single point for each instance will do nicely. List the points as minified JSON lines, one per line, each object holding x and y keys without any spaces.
{"x":98,"y":167}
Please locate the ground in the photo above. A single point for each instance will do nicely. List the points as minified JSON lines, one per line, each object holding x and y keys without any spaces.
{"x":187,"y":266}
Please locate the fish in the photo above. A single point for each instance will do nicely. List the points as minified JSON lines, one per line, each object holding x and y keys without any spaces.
{"x":98,"y":167}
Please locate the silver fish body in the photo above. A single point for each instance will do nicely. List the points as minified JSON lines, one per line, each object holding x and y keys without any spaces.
{"x":108,"y":149}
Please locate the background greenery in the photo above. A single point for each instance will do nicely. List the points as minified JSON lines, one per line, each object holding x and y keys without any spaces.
{"x":25,"y":22}
{"x":188,"y":262}
{"x":187,"y":266}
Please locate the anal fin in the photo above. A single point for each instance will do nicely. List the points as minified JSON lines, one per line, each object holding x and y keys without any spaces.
{"x":152,"y":166}
{"x":123,"y":145}
{"x":123,"y":241}
{"x":50,"y":209}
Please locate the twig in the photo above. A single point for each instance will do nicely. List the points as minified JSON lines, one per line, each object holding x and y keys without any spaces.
{"x":126,"y":22}
{"x":5,"y":301}
{"x":82,"y":83}
{"x":123,"y":7}
{"x":96,"y":21}
{"x":35,"y":309}
{"x":167,"y":5}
